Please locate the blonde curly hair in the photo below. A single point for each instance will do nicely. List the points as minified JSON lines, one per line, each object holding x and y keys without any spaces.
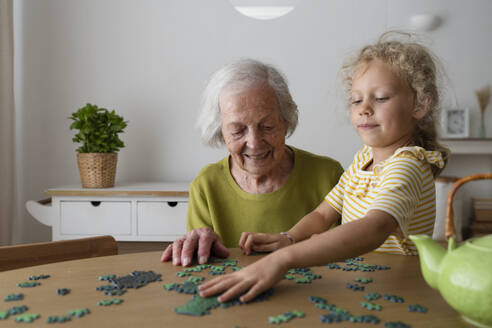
{"x":416,"y":66}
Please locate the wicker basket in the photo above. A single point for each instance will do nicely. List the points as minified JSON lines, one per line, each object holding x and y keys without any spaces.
{"x":97,"y":170}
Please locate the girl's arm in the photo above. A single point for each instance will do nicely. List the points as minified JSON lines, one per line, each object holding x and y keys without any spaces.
{"x":316,"y":222}
{"x":348,"y":240}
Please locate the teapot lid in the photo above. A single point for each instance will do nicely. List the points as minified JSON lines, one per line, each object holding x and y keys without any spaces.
{"x":483,"y":242}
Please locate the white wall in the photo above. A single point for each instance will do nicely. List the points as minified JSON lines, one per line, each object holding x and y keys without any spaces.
{"x":149,"y":60}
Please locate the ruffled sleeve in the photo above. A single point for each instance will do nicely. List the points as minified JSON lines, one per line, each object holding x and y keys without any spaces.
{"x":433,"y":157}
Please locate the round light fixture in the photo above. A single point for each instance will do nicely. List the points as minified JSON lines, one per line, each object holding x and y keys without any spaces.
{"x":264,"y":9}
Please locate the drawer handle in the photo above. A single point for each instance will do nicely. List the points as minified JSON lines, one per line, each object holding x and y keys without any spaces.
{"x":172,"y":204}
{"x":96,"y":203}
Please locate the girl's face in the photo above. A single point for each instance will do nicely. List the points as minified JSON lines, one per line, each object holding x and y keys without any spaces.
{"x":382,"y":108}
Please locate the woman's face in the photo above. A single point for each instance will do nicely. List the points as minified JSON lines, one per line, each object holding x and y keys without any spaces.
{"x":253,"y":128}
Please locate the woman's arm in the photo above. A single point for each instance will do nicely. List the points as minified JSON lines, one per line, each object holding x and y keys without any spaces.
{"x":318,"y":221}
{"x":348,"y":240}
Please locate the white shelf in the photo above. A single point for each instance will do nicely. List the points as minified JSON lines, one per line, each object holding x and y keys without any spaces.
{"x":470,"y":146}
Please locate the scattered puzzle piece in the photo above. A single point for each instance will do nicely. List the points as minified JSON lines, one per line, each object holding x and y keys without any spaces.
{"x":27,"y":317}
{"x":417,"y":308}
{"x":397,"y":324}
{"x":183,"y":274}
{"x":58,"y":319}
{"x":393,"y":298}
{"x":225,"y":262}
{"x":198,"y":306}
{"x":42,"y":276}
{"x":334,"y":317}
{"x":79,"y":313}
{"x":371,"y":306}
{"x":365,"y":319}
{"x":333,"y":266}
{"x":107,"y":277}
{"x":355,"y":287}
{"x":372,"y":296}
{"x":136,"y":279}
{"x":14,"y":297}
{"x":28,"y":284}
{"x":4,"y":315}
{"x":17,"y":310}
{"x":363,"y":280}
{"x":63,"y":291}
{"x":115,"y":301}
{"x":285,"y":317}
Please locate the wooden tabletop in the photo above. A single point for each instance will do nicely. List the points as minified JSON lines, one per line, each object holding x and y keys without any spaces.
{"x":152,"y":305}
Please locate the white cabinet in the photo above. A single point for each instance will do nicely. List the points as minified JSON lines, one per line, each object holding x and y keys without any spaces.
{"x":128,"y":212}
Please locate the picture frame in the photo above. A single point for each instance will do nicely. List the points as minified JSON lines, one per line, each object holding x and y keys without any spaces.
{"x":456,"y":123}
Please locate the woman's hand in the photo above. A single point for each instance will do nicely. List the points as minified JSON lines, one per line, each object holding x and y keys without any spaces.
{"x":204,"y":240}
{"x":255,"y":279}
{"x":262,"y":242}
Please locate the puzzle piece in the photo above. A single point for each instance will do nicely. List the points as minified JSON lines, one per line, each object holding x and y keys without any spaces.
{"x":217,"y":270}
{"x":285,"y":317}
{"x":28,"y":284}
{"x":225,"y":262}
{"x":58,"y":319}
{"x":135,"y":279}
{"x":333,"y":266}
{"x":371,"y":306}
{"x":365,"y":319}
{"x":198,"y":306}
{"x":63,"y":291}
{"x":115,"y":301}
{"x":4,"y":315}
{"x":372,"y":296}
{"x":417,"y":308}
{"x":14,"y":297}
{"x":42,"y":276}
{"x":79,"y":313}
{"x":27,"y":317}
{"x":393,"y":298}
{"x":116,"y":292}
{"x":397,"y":324}
{"x":107,"y":277}
{"x":363,"y":280}
{"x":183,"y":274}
{"x":355,"y":287}
{"x":334,"y":317}
{"x":17,"y":310}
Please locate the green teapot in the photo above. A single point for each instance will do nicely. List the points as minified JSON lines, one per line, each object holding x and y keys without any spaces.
{"x":463,"y":274}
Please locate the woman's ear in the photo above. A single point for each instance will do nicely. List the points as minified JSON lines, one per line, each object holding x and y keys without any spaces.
{"x":421,"y":109}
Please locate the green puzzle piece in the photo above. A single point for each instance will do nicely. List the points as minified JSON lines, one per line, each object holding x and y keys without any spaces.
{"x":78,"y":312}
{"x":4,"y":315}
{"x":27,"y":317}
{"x":285,"y":317}
{"x":198,"y":306}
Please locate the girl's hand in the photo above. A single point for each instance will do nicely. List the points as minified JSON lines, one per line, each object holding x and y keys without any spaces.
{"x":262,"y":242}
{"x":255,"y":279}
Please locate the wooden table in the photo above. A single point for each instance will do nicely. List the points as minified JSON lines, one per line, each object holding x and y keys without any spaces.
{"x":152,"y":305}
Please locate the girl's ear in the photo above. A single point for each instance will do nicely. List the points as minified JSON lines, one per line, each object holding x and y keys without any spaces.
{"x":421,"y":109}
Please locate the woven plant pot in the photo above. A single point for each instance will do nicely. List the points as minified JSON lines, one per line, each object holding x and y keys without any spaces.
{"x":97,"y":170}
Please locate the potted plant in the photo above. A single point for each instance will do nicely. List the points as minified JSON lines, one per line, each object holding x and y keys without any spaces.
{"x":98,"y":130}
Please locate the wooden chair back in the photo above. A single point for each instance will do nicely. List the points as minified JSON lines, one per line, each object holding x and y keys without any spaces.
{"x":20,"y":256}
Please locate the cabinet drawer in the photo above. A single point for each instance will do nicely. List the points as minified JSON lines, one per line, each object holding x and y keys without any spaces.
{"x":85,"y":217}
{"x":161,"y":218}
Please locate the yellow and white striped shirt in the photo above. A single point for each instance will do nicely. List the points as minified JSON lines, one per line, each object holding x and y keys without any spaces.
{"x":402,"y":186}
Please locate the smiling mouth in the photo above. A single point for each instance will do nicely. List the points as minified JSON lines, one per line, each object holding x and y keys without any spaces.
{"x":257,"y":157}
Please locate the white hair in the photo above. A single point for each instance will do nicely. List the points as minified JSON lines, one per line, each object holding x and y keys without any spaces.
{"x":242,"y":74}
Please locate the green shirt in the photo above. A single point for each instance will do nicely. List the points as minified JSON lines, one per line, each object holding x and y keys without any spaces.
{"x":216,"y":201}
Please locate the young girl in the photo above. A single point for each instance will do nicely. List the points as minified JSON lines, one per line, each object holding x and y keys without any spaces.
{"x":385,"y":195}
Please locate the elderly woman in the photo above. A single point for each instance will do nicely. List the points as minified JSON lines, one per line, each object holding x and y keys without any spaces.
{"x":263,"y":185}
